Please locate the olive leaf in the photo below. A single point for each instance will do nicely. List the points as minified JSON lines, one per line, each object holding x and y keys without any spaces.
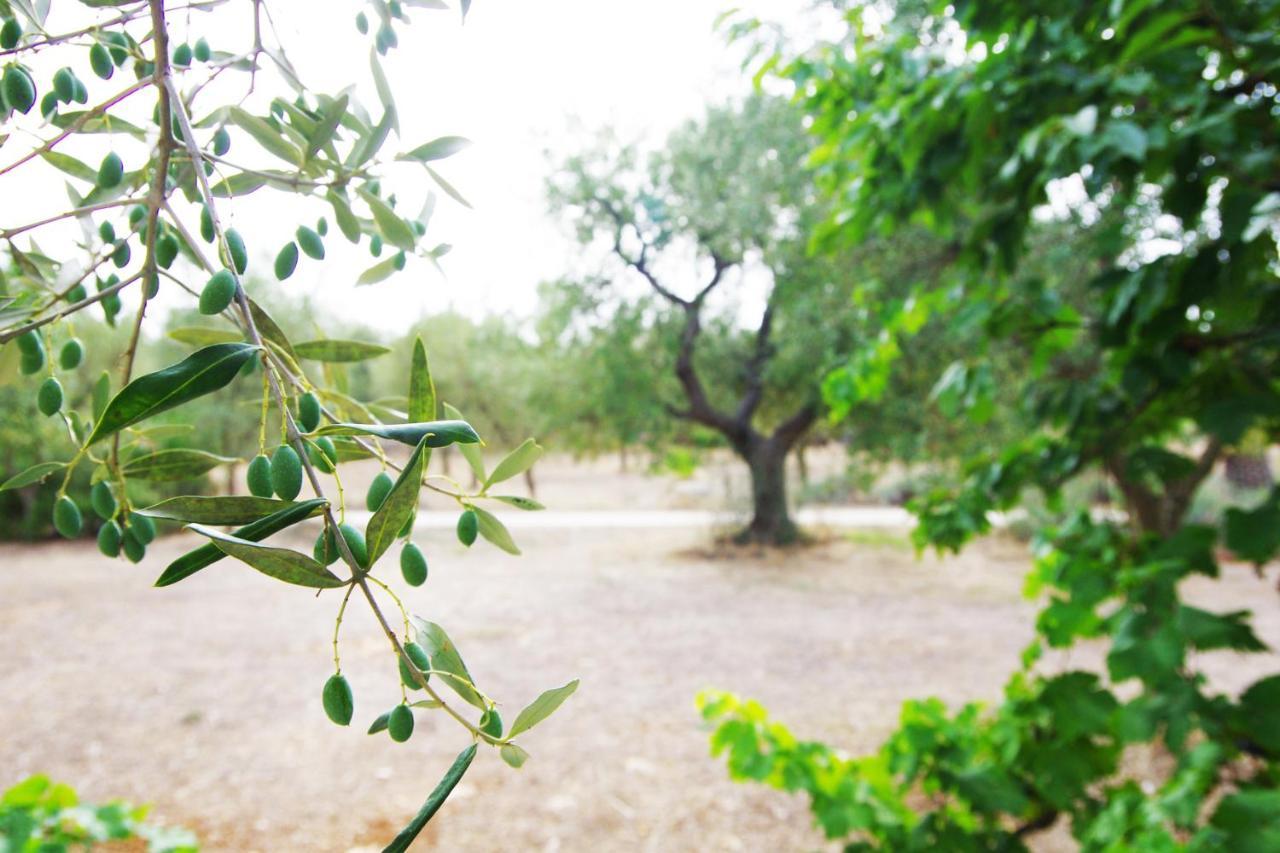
{"x":206,"y":555}
{"x":513,"y":754}
{"x":541,"y":708}
{"x":203,"y":372}
{"x":201,"y":337}
{"x":339,"y":351}
{"x":441,"y":793}
{"x":279,"y":563}
{"x":422,"y":388}
{"x":447,"y":662}
{"x":436,"y":433}
{"x":472,"y":454}
{"x":34,"y":474}
{"x":519,"y":502}
{"x":398,"y":506}
{"x":266,"y":135}
{"x":219,"y":509}
{"x":494,"y":530}
{"x":394,"y":230}
{"x":381,"y":271}
{"x":175,"y":464}
{"x":270,"y":330}
{"x":436,"y":149}
{"x":515,"y":463}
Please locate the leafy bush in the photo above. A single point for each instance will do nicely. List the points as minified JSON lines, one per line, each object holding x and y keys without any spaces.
{"x":40,"y":816}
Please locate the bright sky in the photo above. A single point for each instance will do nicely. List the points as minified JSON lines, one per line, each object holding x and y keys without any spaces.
{"x":519,"y":79}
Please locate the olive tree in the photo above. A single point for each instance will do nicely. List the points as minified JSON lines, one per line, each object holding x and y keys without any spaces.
{"x":727,"y":194}
{"x":149,"y":208}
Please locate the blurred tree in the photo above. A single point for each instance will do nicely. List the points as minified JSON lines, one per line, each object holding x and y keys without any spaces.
{"x":727,"y":196}
{"x":1155,"y":124}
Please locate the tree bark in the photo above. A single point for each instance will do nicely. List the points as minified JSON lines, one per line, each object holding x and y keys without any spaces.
{"x":771,"y":522}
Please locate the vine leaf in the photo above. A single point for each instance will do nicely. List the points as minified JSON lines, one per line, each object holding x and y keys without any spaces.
{"x":219,"y":509}
{"x":541,"y":708}
{"x":435,"y":433}
{"x":206,"y":555}
{"x":441,"y":793}
{"x":203,"y":372}
{"x":279,"y":563}
{"x":398,"y":506}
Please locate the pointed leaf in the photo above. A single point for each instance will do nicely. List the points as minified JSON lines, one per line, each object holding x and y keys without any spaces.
{"x":221,"y":509}
{"x":515,"y":463}
{"x":447,"y":187}
{"x":446,"y":661}
{"x":322,"y":135}
{"x":266,"y":135}
{"x":279,"y":563}
{"x":436,"y":149}
{"x":206,"y":555}
{"x":541,"y":708}
{"x":494,"y":530}
{"x":519,"y":502}
{"x":437,"y":433}
{"x":202,"y":337}
{"x":381,"y":271}
{"x":422,"y":388}
{"x":203,"y":372}
{"x":270,"y":330}
{"x":441,"y":793}
{"x":339,"y":351}
{"x":397,"y":507}
{"x":394,"y":230}
{"x":514,"y":755}
{"x":472,"y":454}
{"x":35,"y":474}
{"x":176,"y":464}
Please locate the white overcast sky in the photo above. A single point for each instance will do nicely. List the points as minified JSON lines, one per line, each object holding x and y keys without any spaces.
{"x":519,"y":79}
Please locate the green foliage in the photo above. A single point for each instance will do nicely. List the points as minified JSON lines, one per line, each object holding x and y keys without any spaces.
{"x":41,"y":816}
{"x":229,"y":382}
{"x":1147,"y":126}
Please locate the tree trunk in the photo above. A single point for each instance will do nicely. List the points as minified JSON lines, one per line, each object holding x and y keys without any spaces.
{"x":771,"y":522}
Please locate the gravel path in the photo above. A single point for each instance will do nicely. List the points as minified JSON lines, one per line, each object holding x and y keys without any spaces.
{"x":203,"y":698}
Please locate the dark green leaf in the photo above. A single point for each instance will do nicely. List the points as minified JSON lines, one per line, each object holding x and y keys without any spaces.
{"x":398,"y":507}
{"x":437,"y":433}
{"x":432,"y":805}
{"x":221,"y":509}
{"x":175,"y":464}
{"x":422,"y":388}
{"x":206,"y":555}
{"x":203,"y":372}
{"x":279,"y":563}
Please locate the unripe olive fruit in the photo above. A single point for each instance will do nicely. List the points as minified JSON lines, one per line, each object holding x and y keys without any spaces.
{"x":49,"y":397}
{"x":418,"y":655}
{"x":258,"y":477}
{"x":109,"y":539}
{"x":468,"y":526}
{"x":400,"y":723}
{"x":339,"y":703}
{"x":413,"y":565}
{"x":66,"y":517}
{"x":378,"y":491}
{"x":286,"y":472}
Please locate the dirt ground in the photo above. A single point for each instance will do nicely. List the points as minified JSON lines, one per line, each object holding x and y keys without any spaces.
{"x":203,"y":698}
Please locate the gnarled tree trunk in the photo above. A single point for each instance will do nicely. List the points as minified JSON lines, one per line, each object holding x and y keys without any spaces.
{"x":771,"y":522}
